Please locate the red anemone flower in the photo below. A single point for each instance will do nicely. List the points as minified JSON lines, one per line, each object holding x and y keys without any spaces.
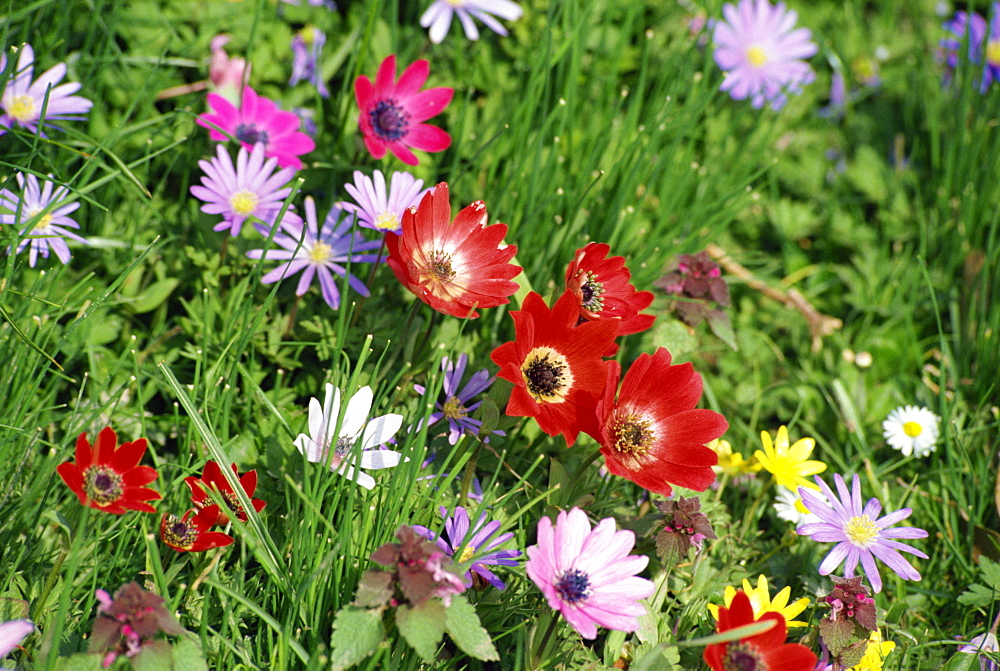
{"x":109,"y":478}
{"x":392,"y":111}
{"x":604,"y":287}
{"x":764,"y":651}
{"x":653,"y":435}
{"x":455,"y":267}
{"x":213,"y":478}
{"x":191,"y":534}
{"x":555,"y":365}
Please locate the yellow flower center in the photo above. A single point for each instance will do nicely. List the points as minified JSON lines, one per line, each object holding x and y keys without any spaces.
{"x":22,"y":108}
{"x":308,"y":35}
{"x":386,"y":221}
{"x":43,"y":223}
{"x":861,"y":530}
{"x":453,"y":409}
{"x":320,"y":253}
{"x":993,"y":52}
{"x":547,"y":375}
{"x":912,"y":429}
{"x":467,"y":554}
{"x":756,"y":56}
{"x":631,"y":437}
{"x":244,"y":202}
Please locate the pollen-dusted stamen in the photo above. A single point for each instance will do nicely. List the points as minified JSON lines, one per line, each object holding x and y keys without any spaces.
{"x":573,"y":586}
{"x":547,"y":375}
{"x":248,"y":132}
{"x":453,"y":408}
{"x":343,"y":448}
{"x":386,"y":221}
{"x":438,"y":275}
{"x":320,"y":253}
{"x":244,"y":202}
{"x":631,"y":435}
{"x":389,"y":121}
{"x":467,"y":554}
{"x":102,"y":484}
{"x":43,"y":223}
{"x":593,"y":293}
{"x":22,"y":108}
{"x":743,"y":657}
{"x":177,"y":532}
{"x":860,"y":530}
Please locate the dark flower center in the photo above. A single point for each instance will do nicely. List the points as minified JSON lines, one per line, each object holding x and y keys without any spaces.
{"x":593,"y":293}
{"x":743,"y":657}
{"x":547,"y":375}
{"x":631,"y":434}
{"x":441,"y":268}
{"x":573,"y":586}
{"x":102,"y":484}
{"x":177,"y":532}
{"x":247,"y":132}
{"x":389,"y":121}
{"x":344,"y":445}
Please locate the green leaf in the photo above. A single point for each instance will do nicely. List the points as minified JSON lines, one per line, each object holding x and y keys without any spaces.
{"x":81,"y":662}
{"x":356,"y":634}
{"x":719,"y":322}
{"x":188,"y":655}
{"x":962,"y":661}
{"x":155,"y":656}
{"x":655,"y":657}
{"x":154,"y":295}
{"x":981,"y":596}
{"x":423,"y":627}
{"x":462,"y":624}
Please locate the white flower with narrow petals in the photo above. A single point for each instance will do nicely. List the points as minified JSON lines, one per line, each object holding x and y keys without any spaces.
{"x":439,"y":15}
{"x":324,"y":435}
{"x":911,"y":430}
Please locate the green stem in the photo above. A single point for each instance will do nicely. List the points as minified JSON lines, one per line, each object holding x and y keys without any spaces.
{"x":470,"y":473}
{"x":544,"y":642}
{"x":753,"y":507}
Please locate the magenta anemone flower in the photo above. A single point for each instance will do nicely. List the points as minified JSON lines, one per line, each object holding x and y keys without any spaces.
{"x":22,"y":100}
{"x":317,"y":251}
{"x":456,"y":405}
{"x":589,"y":575}
{"x":258,"y":120}
{"x":860,"y":534}
{"x":759,"y":52}
{"x":439,"y":15}
{"x":307,"y":47}
{"x":480,"y":547}
{"x":381,"y":209}
{"x":392,"y":111}
{"x":247,"y":190}
{"x":45,"y":222}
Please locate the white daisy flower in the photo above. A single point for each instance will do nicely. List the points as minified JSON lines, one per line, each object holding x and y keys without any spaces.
{"x":789,"y":507}
{"x":911,"y":430}
{"x":323,"y":435}
{"x":439,"y":15}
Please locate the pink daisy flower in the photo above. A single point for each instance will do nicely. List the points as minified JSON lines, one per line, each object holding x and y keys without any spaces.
{"x":760,"y":52}
{"x":589,"y":575}
{"x":248,"y":189}
{"x":258,"y":120}
{"x":392,"y":111}
{"x":22,"y":100}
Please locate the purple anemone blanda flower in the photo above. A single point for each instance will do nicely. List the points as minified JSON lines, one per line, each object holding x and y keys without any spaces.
{"x":257,"y":120}
{"x":588,"y":574}
{"x":983,"y":643}
{"x":23,"y":101}
{"x":439,"y":15}
{"x":248,"y":189}
{"x":982,"y":38}
{"x":45,"y":222}
{"x":307,"y":46}
{"x":456,"y":405}
{"x":477,"y":543}
{"x":317,"y":251}
{"x":760,"y":52}
{"x":381,"y":209}
{"x":860,"y":534}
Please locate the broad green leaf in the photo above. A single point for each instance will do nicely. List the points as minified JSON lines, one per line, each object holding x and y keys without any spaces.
{"x":356,"y":634}
{"x":188,"y":655}
{"x":154,"y":295}
{"x":423,"y":627}
{"x":462,"y":624}
{"x":80,"y":662}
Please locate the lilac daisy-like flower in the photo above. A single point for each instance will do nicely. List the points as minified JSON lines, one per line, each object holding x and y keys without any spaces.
{"x":317,"y":251}
{"x":859,"y":533}
{"x":982,"y":38}
{"x":251,"y":188}
{"x":307,"y":46}
{"x":759,"y":51}
{"x":325,"y":435}
{"x":480,"y":547}
{"x":12,"y":633}
{"x":381,"y":209}
{"x":43,"y":220}
{"x":23,"y":101}
{"x":439,"y":15}
{"x":588,"y":574}
{"x":456,"y":405}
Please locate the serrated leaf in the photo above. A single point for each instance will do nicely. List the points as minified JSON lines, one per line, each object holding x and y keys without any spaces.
{"x":423,"y":627}
{"x":356,"y":634}
{"x":462,"y":624}
{"x":80,"y":662}
{"x":188,"y":655}
{"x":977,"y":596}
{"x":837,"y":634}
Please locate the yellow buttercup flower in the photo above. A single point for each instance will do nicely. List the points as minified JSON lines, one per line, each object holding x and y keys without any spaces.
{"x":731,"y":463}
{"x":761,"y":601}
{"x":789,"y":465}
{"x":875,"y":653}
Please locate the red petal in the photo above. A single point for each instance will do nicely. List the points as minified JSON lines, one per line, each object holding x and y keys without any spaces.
{"x":84,"y":452}
{"x":128,"y":455}
{"x":73,"y":477}
{"x":104,"y":447}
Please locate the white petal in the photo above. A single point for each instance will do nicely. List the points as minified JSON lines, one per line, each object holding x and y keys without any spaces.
{"x":376,"y":459}
{"x":357,"y":412}
{"x":380,"y":430}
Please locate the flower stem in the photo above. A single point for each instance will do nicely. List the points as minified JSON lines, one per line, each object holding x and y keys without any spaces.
{"x":544,"y":642}
{"x":753,"y":507}
{"x":368,"y":282}
{"x":470,"y":473}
